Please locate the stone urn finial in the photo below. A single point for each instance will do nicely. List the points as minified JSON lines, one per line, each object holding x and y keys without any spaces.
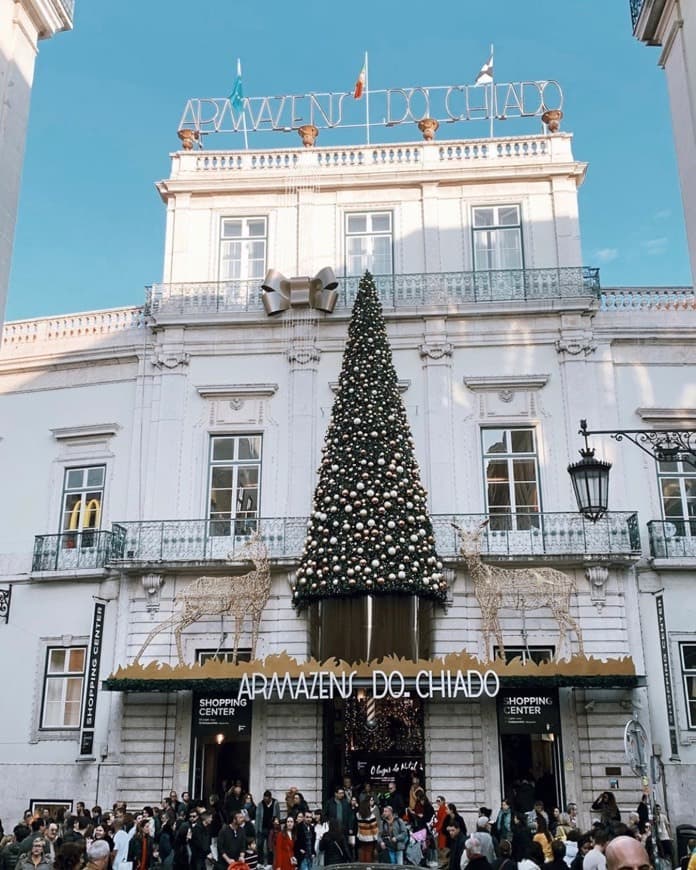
{"x":188,"y":137}
{"x":308,"y":134}
{"x":428,"y":127}
{"x":552,"y":119}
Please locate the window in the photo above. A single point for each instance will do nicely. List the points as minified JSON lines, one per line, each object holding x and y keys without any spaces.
{"x":369,"y":243}
{"x":243,"y":249}
{"x":678,"y":489}
{"x":63,"y":684}
{"x":688,"y":665}
{"x":235,"y":473}
{"x":510,"y":468}
{"x":497,"y":238}
{"x":83,"y":496}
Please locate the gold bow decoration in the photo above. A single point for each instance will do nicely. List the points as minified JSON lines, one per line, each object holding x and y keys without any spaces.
{"x":281,"y":293}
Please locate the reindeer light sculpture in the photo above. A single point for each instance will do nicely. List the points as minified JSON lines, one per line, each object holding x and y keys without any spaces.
{"x":522,"y":589}
{"x":237,"y":596}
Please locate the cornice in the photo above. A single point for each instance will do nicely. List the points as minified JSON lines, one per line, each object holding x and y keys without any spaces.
{"x":493,"y":383}
{"x":675,"y":417}
{"x":232,"y":391}
{"x":98,"y":430}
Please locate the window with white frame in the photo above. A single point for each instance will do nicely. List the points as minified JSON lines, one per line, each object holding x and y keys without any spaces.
{"x":688,"y":665}
{"x":497,"y":237}
{"x":64,"y":680}
{"x":243,"y":249}
{"x":678,"y":490}
{"x":83,"y":497}
{"x":235,"y":477}
{"x":369,"y":242}
{"x":511,"y":475}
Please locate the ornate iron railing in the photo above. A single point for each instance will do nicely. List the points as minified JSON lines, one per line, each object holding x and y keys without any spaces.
{"x":672,"y":539}
{"x":636,"y":9}
{"x":72,"y":551}
{"x":202,"y":540}
{"x":542,"y":534}
{"x":395,"y":291}
{"x":5,"y":597}
{"x":507,"y":536}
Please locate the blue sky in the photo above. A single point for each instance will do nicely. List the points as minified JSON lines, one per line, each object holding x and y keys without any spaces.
{"x":107,"y":100}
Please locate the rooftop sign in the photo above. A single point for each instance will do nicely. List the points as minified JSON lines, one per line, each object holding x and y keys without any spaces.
{"x":386,"y":108}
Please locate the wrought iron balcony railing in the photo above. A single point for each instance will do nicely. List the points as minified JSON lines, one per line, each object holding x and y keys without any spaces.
{"x":636,"y":8}
{"x":672,"y":539}
{"x":449,"y":289}
{"x":73,"y":551}
{"x":542,"y":534}
{"x":507,"y":536}
{"x":202,"y":540}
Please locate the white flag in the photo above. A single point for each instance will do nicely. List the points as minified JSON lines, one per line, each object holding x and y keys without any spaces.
{"x":485,"y":76}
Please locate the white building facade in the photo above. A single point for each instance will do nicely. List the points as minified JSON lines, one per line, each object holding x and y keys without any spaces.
{"x":23,"y":23}
{"x":671,"y":25}
{"x":140,"y":447}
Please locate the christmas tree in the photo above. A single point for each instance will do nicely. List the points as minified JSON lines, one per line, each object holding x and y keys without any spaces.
{"x":369,"y":532}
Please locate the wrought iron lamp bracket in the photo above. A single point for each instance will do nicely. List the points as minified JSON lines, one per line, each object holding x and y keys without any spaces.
{"x":663,"y":445}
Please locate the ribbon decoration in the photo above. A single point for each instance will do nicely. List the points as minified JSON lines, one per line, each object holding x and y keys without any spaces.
{"x":281,"y":293}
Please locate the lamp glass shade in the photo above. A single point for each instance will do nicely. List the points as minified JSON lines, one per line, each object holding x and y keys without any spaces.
{"x":590,"y":478}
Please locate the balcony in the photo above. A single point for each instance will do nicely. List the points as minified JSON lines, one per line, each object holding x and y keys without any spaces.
{"x":673,"y":539}
{"x":185,"y":541}
{"x":73,"y":551}
{"x":533,"y":536}
{"x":560,"y":535}
{"x":437,"y":289}
{"x":636,"y":8}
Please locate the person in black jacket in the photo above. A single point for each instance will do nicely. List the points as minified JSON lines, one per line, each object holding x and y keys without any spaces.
{"x":333,"y":844}
{"x":231,"y":842}
{"x":304,"y":842}
{"x":200,"y":842}
{"x":521,"y":836}
{"x":458,"y":842}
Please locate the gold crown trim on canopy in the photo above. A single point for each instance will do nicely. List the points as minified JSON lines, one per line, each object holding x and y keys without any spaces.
{"x":585,"y":667}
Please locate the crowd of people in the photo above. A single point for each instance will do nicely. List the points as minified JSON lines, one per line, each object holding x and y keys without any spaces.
{"x":232,"y":832}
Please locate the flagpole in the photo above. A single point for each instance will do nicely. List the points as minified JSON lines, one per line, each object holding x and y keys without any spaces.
{"x":367,"y":102}
{"x":492,"y":106}
{"x":244,"y":126}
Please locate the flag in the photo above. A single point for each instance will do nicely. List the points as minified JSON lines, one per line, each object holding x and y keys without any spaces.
{"x":237,"y":94}
{"x":360,"y":84}
{"x":485,"y":76}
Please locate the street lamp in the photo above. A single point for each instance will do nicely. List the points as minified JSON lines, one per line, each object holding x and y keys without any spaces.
{"x":590,"y":476}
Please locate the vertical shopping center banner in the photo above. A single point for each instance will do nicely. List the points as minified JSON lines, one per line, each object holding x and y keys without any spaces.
{"x":92,"y":681}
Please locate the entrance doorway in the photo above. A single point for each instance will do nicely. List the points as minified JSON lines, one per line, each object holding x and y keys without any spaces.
{"x":374,"y":741}
{"x":220,"y":743}
{"x":219,"y":761}
{"x":530,"y":748}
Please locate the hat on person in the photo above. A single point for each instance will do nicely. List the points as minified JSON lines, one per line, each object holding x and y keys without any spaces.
{"x":98,"y":849}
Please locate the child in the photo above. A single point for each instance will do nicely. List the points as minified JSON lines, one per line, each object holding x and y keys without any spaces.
{"x":250,"y":856}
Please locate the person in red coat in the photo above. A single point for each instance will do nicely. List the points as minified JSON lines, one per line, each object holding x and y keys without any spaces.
{"x":284,"y":847}
{"x":441,"y":814}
